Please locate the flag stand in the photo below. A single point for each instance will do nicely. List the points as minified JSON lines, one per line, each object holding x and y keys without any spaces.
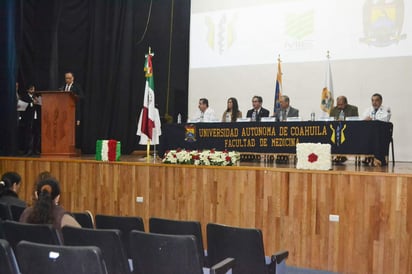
{"x":148,"y":151}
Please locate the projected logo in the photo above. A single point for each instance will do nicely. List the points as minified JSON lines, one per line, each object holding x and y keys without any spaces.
{"x":221,"y":33}
{"x":383,"y":22}
{"x":299,"y":28}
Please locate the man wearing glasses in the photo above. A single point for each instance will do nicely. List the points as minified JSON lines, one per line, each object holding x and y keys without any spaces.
{"x":257,"y":111}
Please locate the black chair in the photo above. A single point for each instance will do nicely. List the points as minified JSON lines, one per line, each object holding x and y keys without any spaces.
{"x":16,"y":212}
{"x":109,"y":242}
{"x":5,"y":212}
{"x":37,"y":258}
{"x":177,"y":227}
{"x":85,"y":219}
{"x":15,"y":232}
{"x":246,"y":246}
{"x":8,"y":263}
{"x":124,"y":224}
{"x":169,"y":254}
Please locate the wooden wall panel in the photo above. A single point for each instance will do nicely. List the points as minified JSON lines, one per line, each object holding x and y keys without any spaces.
{"x":291,"y":207}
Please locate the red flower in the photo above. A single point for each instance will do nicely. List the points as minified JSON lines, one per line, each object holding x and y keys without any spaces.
{"x":228,"y":159}
{"x":195,"y":157}
{"x":212,"y":151}
{"x":312,"y":157}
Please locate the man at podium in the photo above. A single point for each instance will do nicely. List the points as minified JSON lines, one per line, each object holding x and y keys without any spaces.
{"x":70,"y":85}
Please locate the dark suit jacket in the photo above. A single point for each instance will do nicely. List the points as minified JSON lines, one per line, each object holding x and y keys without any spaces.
{"x":27,"y":116}
{"x":76,"y":89}
{"x":262,"y":113}
{"x":293,"y":112}
{"x":349,"y":111}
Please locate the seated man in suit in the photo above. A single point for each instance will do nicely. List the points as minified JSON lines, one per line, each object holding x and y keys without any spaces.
{"x":343,"y":109}
{"x":257,"y":111}
{"x":340,"y":112}
{"x":285,"y":109}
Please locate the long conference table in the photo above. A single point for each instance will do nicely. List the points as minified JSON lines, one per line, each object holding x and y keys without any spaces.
{"x":370,"y":138}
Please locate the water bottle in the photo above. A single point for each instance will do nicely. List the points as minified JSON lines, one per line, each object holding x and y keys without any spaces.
{"x":341,"y":116}
{"x":228,"y":118}
{"x":179,"y":118}
{"x":254,"y":115}
{"x":312,"y":116}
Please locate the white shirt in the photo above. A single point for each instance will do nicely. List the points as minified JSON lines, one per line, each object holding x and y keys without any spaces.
{"x":382,"y":113}
{"x":207,"y":116}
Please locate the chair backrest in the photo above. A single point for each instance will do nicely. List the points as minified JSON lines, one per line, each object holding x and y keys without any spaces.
{"x":109,"y":242}
{"x":16,"y":211}
{"x":123,"y":223}
{"x":177,"y":227}
{"x":164,"y":254}
{"x":245,"y":245}
{"x":8,"y":263}
{"x":37,"y":258}
{"x":15,"y":232}
{"x":5,"y":212}
{"x":85,"y":219}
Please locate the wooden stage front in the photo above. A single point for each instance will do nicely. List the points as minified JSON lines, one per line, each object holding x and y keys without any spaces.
{"x":292,"y":207}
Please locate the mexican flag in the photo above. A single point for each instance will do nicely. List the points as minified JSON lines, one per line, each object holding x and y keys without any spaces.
{"x":149,"y":121}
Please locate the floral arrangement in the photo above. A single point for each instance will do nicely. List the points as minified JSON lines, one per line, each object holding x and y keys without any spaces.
{"x":201,"y":157}
{"x":314,"y":156}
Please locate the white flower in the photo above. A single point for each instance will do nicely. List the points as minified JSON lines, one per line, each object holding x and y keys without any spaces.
{"x":314,"y":156}
{"x":205,"y":157}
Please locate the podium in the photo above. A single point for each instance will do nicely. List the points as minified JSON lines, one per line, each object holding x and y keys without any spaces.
{"x":58,"y":120}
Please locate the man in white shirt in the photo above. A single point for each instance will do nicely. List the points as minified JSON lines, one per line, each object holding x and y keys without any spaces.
{"x":377,"y":111}
{"x":204,"y":113}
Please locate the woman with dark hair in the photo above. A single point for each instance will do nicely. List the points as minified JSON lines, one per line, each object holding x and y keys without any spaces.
{"x":9,"y":187}
{"x":46,"y":209}
{"x":232,"y":111}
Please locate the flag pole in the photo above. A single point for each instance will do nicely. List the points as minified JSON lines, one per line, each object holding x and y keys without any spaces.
{"x":154,"y":146}
{"x":148,"y":151}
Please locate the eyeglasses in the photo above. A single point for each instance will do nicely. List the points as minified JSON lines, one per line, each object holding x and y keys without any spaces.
{"x":255,"y":101}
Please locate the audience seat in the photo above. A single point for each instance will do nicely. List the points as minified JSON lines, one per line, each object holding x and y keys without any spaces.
{"x":170,"y":254}
{"x":15,"y":232}
{"x":8,"y":263}
{"x":16,"y":211}
{"x":5,"y":212}
{"x":177,"y":227}
{"x":245,"y":245}
{"x":124,"y":224}
{"x":85,"y":219}
{"x":109,"y":242}
{"x":37,"y":258}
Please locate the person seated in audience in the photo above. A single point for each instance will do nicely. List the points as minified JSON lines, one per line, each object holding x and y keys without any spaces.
{"x":340,"y":112}
{"x":343,"y":109}
{"x":232,"y":111}
{"x":204,"y":113}
{"x":9,"y":187}
{"x":376,"y":112}
{"x":46,"y":208}
{"x":285,"y":109}
{"x":257,"y":111}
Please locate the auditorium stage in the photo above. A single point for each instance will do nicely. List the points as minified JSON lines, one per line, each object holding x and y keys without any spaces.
{"x":292,"y":207}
